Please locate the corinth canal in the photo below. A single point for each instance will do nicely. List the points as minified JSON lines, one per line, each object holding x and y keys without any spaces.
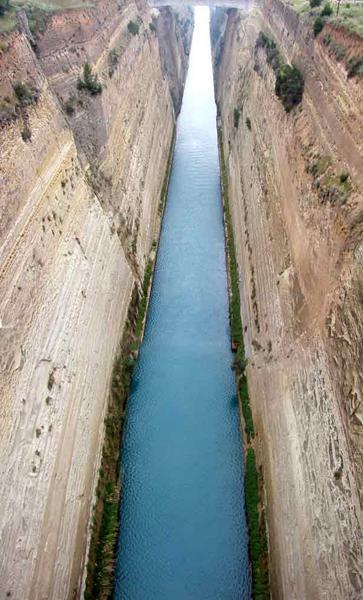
{"x":183,"y":531}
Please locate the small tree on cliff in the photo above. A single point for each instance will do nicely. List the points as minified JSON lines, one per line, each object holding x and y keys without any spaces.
{"x":90,"y":81}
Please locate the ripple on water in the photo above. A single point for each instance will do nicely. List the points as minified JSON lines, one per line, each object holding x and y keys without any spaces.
{"x":183,"y":531}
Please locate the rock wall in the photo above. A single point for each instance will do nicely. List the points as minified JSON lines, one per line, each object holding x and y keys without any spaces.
{"x":298,"y":231}
{"x":81,"y":177}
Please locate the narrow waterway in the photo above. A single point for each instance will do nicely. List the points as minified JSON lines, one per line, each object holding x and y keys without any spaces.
{"x":183,"y":531}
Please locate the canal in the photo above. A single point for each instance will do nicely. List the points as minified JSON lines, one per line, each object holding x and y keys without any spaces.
{"x":183,"y":531}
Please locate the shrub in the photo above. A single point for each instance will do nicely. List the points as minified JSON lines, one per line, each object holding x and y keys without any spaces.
{"x":256,"y":540}
{"x":289,"y":86}
{"x":25,"y":93}
{"x":113,"y":58}
{"x":152,"y":26}
{"x":69,"y":105}
{"x":236,"y":116}
{"x":273,"y":56}
{"x":90,"y":81}
{"x":26,"y":134}
{"x":248,"y":123}
{"x":246,"y":409}
{"x":7,"y":111}
{"x":327,"y":10}
{"x":4,"y":6}
{"x":314,"y":3}
{"x":355,"y":66}
{"x":344,"y":177}
{"x":318,"y":25}
{"x":133,"y":27}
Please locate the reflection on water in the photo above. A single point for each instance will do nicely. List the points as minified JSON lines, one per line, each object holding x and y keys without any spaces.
{"x":183,"y":531}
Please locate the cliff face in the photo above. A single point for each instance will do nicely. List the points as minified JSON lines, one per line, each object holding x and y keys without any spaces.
{"x":81,"y":177}
{"x":295,"y":184}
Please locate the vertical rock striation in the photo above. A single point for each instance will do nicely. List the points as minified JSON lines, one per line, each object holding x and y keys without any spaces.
{"x":81,"y":177}
{"x":295,"y":187}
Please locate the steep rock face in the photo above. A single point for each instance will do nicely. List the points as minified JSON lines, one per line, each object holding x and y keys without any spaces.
{"x":298,"y":232}
{"x":80,"y":191}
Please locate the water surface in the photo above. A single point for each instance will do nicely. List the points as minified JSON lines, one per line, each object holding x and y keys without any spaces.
{"x":183,"y":531}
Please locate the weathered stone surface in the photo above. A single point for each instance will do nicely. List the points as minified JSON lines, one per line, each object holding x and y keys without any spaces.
{"x":79,"y":212}
{"x":300,"y":257}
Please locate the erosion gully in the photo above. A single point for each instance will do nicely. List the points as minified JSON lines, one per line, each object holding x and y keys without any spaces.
{"x":183,"y":532}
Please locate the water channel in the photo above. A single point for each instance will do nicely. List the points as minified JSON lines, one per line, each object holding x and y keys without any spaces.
{"x":183,"y":531}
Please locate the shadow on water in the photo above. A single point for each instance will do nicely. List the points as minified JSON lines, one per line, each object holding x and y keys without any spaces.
{"x":183,"y":532}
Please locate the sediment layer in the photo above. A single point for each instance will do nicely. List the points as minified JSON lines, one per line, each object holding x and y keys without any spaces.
{"x":298,"y":234}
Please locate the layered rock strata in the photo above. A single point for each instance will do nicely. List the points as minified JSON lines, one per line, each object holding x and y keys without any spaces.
{"x":295,"y":193}
{"x":81,"y":176}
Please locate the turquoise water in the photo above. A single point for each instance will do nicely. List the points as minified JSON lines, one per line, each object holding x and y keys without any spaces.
{"x":183,"y":531}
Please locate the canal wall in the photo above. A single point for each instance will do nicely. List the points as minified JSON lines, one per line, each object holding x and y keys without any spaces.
{"x":83,"y":162}
{"x":297,"y":228}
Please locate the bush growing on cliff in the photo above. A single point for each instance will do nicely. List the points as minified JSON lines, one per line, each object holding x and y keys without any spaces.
{"x":289,"y":86}
{"x":236,"y":117}
{"x":327,"y":10}
{"x":90,"y":81}
{"x":318,"y":25}
{"x":246,"y":409}
{"x":355,"y":66}
{"x":256,"y":542}
{"x":25,"y":93}
{"x":315,"y":3}
{"x":273,"y":56}
{"x":133,"y":27}
{"x":248,"y":123}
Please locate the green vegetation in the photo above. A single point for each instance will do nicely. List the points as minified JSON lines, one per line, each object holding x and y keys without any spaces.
{"x":257,"y":540}
{"x":164,"y":189}
{"x":258,"y":549}
{"x":349,"y":17}
{"x":133,"y":27}
{"x":4,"y":7}
{"x":246,"y":408}
{"x":236,"y":117}
{"x":26,"y":134}
{"x":330,"y":186}
{"x":113,"y":58}
{"x":248,"y":123}
{"x":69,"y":105}
{"x":318,"y":25}
{"x":355,"y":66}
{"x":90,"y":81}
{"x":25,"y":93}
{"x":152,"y":26}
{"x":327,"y":10}
{"x":273,"y":56}
{"x":314,"y":3}
{"x":289,"y":87}
{"x":337,"y":49}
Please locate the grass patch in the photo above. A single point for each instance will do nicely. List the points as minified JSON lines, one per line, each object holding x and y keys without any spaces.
{"x":258,"y":549}
{"x":257,"y":543}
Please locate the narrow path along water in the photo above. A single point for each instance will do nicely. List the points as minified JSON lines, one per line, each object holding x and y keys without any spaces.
{"x":183,"y":532}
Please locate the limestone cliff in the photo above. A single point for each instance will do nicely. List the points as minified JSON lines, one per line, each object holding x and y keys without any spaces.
{"x":295,"y":185}
{"x":81,"y":176}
